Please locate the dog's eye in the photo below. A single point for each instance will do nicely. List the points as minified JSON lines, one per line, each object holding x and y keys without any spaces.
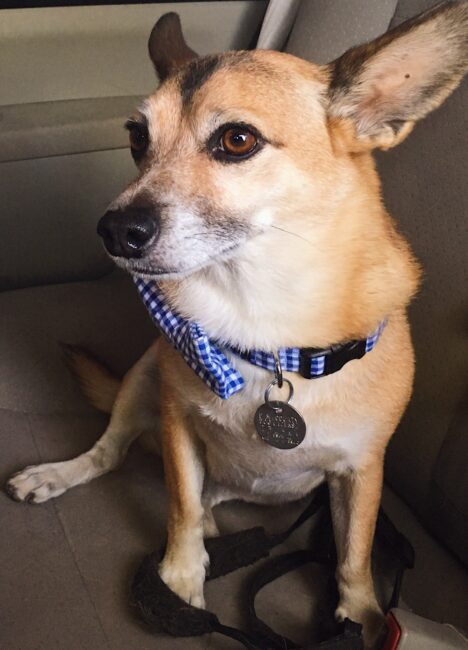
{"x":235,"y":142}
{"x":238,"y":141}
{"x":139,"y":138}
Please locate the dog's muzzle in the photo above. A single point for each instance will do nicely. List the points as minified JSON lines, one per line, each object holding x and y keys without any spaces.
{"x":128,"y":233}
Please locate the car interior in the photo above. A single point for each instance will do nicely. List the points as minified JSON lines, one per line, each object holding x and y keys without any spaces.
{"x":70,"y":75}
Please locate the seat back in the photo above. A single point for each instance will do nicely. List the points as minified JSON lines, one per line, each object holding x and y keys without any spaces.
{"x":425,"y":189}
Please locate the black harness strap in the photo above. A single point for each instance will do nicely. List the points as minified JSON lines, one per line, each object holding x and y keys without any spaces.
{"x":235,"y":550}
{"x":163,"y":610}
{"x":322,"y":552}
{"x":275,"y":568}
{"x":397,"y":546}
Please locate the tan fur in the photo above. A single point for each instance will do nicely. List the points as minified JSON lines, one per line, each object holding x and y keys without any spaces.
{"x":98,"y":384}
{"x":290,"y":248}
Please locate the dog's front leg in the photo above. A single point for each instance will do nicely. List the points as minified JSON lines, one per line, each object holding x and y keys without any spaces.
{"x":185,"y":560}
{"x":355,"y":499}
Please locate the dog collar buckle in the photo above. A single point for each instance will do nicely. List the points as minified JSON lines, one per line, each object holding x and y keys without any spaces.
{"x":335,"y":357}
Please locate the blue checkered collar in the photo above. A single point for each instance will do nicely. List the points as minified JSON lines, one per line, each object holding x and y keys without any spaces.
{"x":207,"y":359}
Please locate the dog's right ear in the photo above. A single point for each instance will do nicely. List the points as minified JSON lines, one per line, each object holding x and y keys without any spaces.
{"x":379,"y":90}
{"x":167,"y":47}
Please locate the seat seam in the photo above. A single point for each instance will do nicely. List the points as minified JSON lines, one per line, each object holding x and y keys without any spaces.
{"x":395,"y":11}
{"x":70,"y":547}
{"x":84,"y":415}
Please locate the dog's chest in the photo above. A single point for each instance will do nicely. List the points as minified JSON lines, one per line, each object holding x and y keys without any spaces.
{"x":335,"y":440}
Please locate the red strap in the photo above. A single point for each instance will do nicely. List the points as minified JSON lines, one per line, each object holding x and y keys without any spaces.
{"x":394,"y":633}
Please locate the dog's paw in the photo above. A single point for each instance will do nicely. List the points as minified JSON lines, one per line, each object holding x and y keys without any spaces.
{"x":36,"y":484}
{"x":186,"y":576}
{"x":365,"y":610}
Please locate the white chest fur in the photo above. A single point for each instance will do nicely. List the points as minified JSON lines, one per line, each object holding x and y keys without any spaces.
{"x":337,"y":437}
{"x":346,"y":413}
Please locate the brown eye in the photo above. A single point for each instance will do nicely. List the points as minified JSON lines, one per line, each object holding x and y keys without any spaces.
{"x":138,"y":136}
{"x":138,"y":139}
{"x":238,"y":141}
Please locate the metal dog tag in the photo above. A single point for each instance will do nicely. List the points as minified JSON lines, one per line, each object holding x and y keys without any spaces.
{"x":278,"y":423}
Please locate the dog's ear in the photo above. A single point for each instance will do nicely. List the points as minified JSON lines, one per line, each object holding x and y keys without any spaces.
{"x":167,"y":47}
{"x":378,"y":90}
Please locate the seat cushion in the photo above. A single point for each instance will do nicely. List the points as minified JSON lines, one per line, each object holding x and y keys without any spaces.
{"x":67,"y":564}
{"x":71,"y":560}
{"x":106,"y":316}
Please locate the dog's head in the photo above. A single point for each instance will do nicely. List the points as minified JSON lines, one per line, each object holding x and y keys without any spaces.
{"x":255,"y":145}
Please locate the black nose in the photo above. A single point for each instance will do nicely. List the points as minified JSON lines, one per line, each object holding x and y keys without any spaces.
{"x":126,"y":233}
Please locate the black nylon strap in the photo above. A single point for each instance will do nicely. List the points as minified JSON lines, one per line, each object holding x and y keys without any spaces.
{"x":349,"y":639}
{"x":230,"y":552}
{"x":238,"y":635}
{"x":319,"y":499}
{"x":335,"y":357}
{"x":273,"y":569}
{"x":164,"y":611}
{"x":398,"y":547}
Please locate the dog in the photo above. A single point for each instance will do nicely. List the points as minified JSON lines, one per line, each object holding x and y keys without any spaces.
{"x":257,"y":214}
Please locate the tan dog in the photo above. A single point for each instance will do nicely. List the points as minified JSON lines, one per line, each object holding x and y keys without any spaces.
{"x":257,"y":209}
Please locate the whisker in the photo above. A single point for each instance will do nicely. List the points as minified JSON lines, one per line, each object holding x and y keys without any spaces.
{"x":289,"y":232}
{"x":222,"y":234}
{"x":203,"y":235}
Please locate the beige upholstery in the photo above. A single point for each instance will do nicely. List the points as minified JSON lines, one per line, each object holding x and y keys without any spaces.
{"x":63,"y":101}
{"x":277,"y":24}
{"x":61,"y":53}
{"x":424,"y":185}
{"x":66,"y":565}
{"x":45,"y":129}
{"x":49,"y":210}
{"x":425,"y":188}
{"x":323,"y":30}
{"x":34,"y":323}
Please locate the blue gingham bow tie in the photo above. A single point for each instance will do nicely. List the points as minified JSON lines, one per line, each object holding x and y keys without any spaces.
{"x":207,"y":360}
{"x":201,"y":353}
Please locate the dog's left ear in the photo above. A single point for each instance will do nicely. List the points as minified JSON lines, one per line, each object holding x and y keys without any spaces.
{"x":167,"y":47}
{"x":379,"y":90}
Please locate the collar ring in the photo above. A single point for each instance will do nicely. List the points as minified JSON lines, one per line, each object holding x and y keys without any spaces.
{"x":278,"y":370}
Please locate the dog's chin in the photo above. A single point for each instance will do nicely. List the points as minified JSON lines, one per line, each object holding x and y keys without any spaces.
{"x":148,"y":270}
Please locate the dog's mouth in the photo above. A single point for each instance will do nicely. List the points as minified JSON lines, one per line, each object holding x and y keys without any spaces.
{"x":149,"y":271}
